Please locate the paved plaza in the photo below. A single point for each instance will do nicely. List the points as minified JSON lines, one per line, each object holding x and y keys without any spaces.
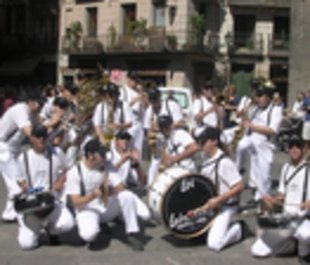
{"x":110,"y":249}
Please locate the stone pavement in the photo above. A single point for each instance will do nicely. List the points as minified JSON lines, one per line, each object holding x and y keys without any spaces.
{"x":161,"y":248}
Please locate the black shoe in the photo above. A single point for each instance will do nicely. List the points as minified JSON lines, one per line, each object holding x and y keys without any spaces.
{"x":304,"y":259}
{"x":245,"y":231}
{"x":54,"y":240}
{"x":135,"y":243}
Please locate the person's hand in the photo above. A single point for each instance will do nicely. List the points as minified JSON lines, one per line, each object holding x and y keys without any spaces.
{"x":213,"y":203}
{"x":134,"y":155}
{"x":246,"y":124}
{"x":169,"y":159}
{"x":269,"y":201}
{"x":305,"y":205}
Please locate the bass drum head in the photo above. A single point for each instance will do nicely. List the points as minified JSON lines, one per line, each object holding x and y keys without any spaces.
{"x":187,"y":193}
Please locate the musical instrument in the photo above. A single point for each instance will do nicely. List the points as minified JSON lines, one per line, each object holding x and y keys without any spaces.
{"x":153,"y":141}
{"x":176,"y":191}
{"x":107,"y":130}
{"x":38,"y":203}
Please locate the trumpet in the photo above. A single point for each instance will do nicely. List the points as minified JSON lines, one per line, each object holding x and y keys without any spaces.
{"x":153,"y":138}
{"x":107,"y":130}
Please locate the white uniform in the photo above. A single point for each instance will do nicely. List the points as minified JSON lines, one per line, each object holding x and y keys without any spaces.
{"x":60,"y":219}
{"x":260,"y":147}
{"x":11,"y":136}
{"x":210,"y":120}
{"x":89,"y":217}
{"x":170,"y":108}
{"x":295,"y":185}
{"x":221,"y":170}
{"x":177,"y":142}
{"x":128,"y":95}
{"x":47,"y":109}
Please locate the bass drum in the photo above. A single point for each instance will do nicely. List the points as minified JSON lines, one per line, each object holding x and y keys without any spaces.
{"x":176,"y":191}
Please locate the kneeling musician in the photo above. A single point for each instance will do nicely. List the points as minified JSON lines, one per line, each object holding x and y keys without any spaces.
{"x":42,"y":169}
{"x":294,"y":196}
{"x":228,"y":183}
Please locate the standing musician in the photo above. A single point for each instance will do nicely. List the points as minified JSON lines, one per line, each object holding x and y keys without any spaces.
{"x":179,"y":145}
{"x":260,"y":131}
{"x":15,"y":126}
{"x":294,"y":196}
{"x":42,"y":168}
{"x":133,"y":97}
{"x":228,"y":183}
{"x":204,"y":110}
{"x":111,"y":115}
{"x":159,"y":107}
{"x":98,"y":195}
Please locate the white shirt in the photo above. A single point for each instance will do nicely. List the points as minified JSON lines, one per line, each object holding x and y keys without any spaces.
{"x":12,"y":122}
{"x":210,"y":120}
{"x":169,"y":107}
{"x":47,"y":109}
{"x":176,"y":144}
{"x":297,"y":110}
{"x":227,"y":172}
{"x":128,"y":95}
{"x":92,"y":179}
{"x":270,"y":116}
{"x":294,"y":189}
{"x":244,"y":103}
{"x":39,"y":167}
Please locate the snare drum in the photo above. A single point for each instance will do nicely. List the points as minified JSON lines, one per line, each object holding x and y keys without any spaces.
{"x":176,"y":191}
{"x":40,"y":204}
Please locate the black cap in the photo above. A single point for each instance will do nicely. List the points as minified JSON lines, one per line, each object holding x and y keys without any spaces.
{"x":35,"y":95}
{"x":72,"y":88}
{"x":112,"y":89}
{"x":208,"y":85}
{"x":123,"y":135}
{"x":209,"y":133}
{"x":94,"y":146}
{"x":255,"y":83}
{"x":296,"y":140}
{"x":132,"y":75}
{"x":164,"y":121}
{"x":263,"y":90}
{"x":153,"y":94}
{"x":39,"y":131}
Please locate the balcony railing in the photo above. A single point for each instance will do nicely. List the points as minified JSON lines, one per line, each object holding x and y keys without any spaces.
{"x":278,"y":45}
{"x":245,"y":43}
{"x":160,"y":41}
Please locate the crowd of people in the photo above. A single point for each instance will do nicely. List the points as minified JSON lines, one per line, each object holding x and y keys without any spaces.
{"x":91,"y":166}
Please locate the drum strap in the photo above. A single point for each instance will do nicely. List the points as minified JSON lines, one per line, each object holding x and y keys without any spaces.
{"x":304,"y":198}
{"x":82,"y":185}
{"x":102,"y":113}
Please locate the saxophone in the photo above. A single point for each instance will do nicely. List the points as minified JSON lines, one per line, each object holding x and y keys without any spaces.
{"x":108,"y":131}
{"x":152,"y":137}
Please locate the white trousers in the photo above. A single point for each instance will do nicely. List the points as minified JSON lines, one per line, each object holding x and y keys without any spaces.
{"x":123,"y":204}
{"x":153,"y":170}
{"x":223,"y":233}
{"x":261,"y":158}
{"x":302,"y":234}
{"x":138,"y":136}
{"x":9,"y":171}
{"x":60,"y":220}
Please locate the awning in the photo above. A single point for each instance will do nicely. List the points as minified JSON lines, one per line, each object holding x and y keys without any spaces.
{"x":23,"y":67}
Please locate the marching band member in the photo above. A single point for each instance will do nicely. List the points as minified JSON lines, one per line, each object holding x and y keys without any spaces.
{"x":294,"y":195}
{"x":260,"y":129}
{"x":179,"y":145}
{"x":111,"y":115}
{"x":159,"y":107}
{"x":204,"y":110}
{"x":15,"y":125}
{"x":228,"y":183}
{"x":133,"y":97}
{"x":42,"y":168}
{"x":98,"y":195}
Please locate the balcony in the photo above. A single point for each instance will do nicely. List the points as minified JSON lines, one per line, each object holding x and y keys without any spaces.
{"x":154,"y":41}
{"x":278,"y":46}
{"x":245,"y":44}
{"x":261,"y":3}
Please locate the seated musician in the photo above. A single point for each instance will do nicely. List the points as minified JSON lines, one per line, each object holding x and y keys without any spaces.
{"x":98,"y":195}
{"x":179,"y":145}
{"x":228,"y":183}
{"x":42,"y":168}
{"x":294,"y":196}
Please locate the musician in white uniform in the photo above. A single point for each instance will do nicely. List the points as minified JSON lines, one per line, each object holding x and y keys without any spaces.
{"x":178,"y":143}
{"x":258,"y":141}
{"x":42,"y":168}
{"x":204,"y":110}
{"x":294,"y":196}
{"x":223,"y":173}
{"x":15,"y":126}
{"x":134,"y":99}
{"x":157,"y":108}
{"x":98,"y":195}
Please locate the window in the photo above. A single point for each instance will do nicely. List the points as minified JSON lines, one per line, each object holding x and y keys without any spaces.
{"x":159,"y":16}
{"x":92,"y":22}
{"x":129,"y":15}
